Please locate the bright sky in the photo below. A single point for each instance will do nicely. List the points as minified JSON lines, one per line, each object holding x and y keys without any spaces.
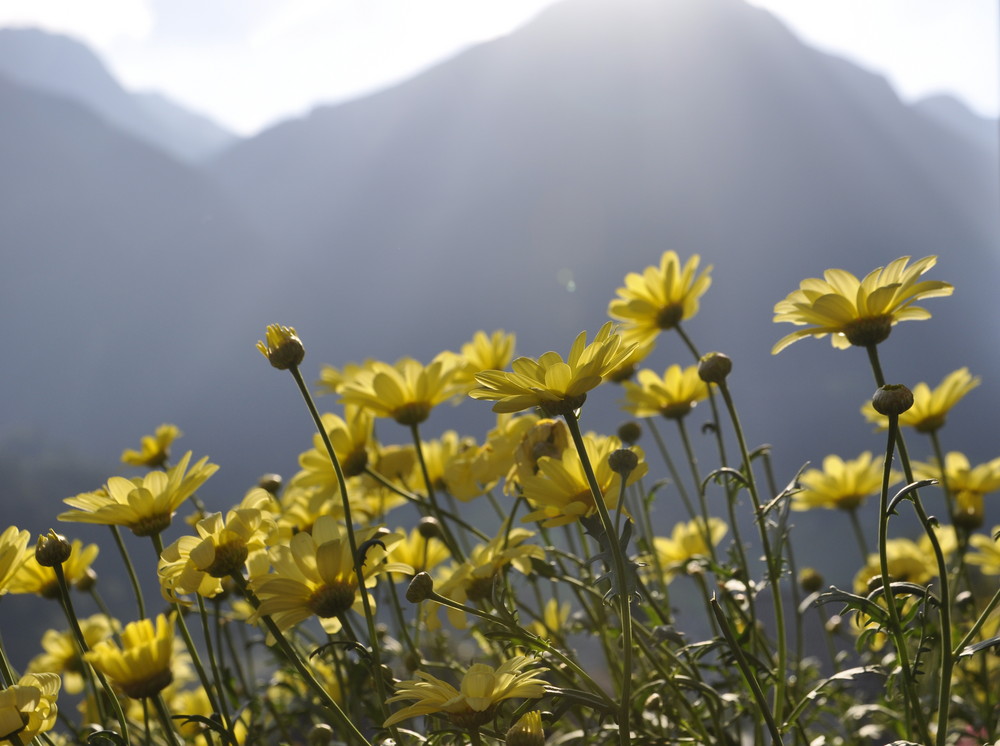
{"x":250,"y":63}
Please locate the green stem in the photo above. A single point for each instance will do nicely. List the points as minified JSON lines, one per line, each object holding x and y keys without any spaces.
{"x":672,"y":468}
{"x":859,"y":533}
{"x":696,"y":476}
{"x":618,"y":560}
{"x":130,"y":569}
{"x":446,"y":534}
{"x":214,"y":663}
{"x":164,"y":714}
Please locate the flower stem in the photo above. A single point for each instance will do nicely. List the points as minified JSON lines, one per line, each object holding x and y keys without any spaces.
{"x":618,"y":559}
{"x":130,"y":569}
{"x":449,"y":538}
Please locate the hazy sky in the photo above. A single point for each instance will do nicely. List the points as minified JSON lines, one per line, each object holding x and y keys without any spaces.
{"x":248,"y":63}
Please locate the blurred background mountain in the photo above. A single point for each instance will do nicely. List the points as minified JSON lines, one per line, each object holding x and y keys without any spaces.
{"x":513,"y":186}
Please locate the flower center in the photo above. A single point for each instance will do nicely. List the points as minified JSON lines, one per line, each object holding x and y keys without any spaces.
{"x":479,"y":589}
{"x":670,"y":316}
{"x":869,"y":331}
{"x":151,"y":525}
{"x":355,"y":462}
{"x":229,"y":558}
{"x":412,"y":413}
{"x":676,"y":410}
{"x":332,"y":599}
{"x":469,"y":718}
{"x":564,"y":406}
{"x":148,"y":686}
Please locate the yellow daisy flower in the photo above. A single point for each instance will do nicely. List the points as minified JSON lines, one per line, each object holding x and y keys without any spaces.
{"x":314,"y":575}
{"x":406,"y":391}
{"x":560,"y":492}
{"x":141,"y":666}
{"x":41,"y":580}
{"x":968,"y":484}
{"x":660,"y":298}
{"x":474,"y":703}
{"x":198,"y":564}
{"x":930,"y":406}
{"x":688,"y":541}
{"x":525,"y":441}
{"x":154,"y":450}
{"x":527,"y":731}
{"x":556,"y":386}
{"x":858,"y":312}
{"x":908,"y":561}
{"x":13,"y":552}
{"x":673,"y":395}
{"x":451,"y":466}
{"x":351,"y":437}
{"x":987,"y":552}
{"x":555,"y":615}
{"x":840,"y":484}
{"x":61,"y":652}
{"x":625,"y":370}
{"x":332,"y":380}
{"x":483,"y":352}
{"x":28,"y":707}
{"x":145,"y":505}
{"x":420,"y":553}
{"x":472,"y":580}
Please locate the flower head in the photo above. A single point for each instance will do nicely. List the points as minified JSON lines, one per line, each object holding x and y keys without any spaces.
{"x":987,"y":552}
{"x":908,"y":561}
{"x":967,"y":484}
{"x":314,"y":574}
{"x":61,"y":651}
{"x":688,"y":541}
{"x":28,"y":707}
{"x":560,"y":492}
{"x":930,"y":406}
{"x":483,"y":352}
{"x":406,"y":391}
{"x":673,"y":395}
{"x":13,"y":553}
{"x":858,"y":312}
{"x":282,"y":348}
{"x":197,"y":564}
{"x":474,"y":703}
{"x":660,"y":298}
{"x":145,"y":505}
{"x":154,"y":450}
{"x":40,"y":580}
{"x":141,"y":666}
{"x":839,"y":484}
{"x":556,"y":386}
{"x":527,"y":731}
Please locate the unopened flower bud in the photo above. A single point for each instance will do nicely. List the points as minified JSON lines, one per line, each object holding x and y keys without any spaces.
{"x":714,"y":367}
{"x":420,"y":588}
{"x":810,"y":580}
{"x":86,"y":581}
{"x":52,"y":549}
{"x":623,"y":461}
{"x":527,"y":731}
{"x":429,"y":528}
{"x":283,"y":348}
{"x":271,"y":483}
{"x":630,"y":432}
{"x":892,"y":399}
{"x":654,"y":703}
{"x":321,"y":734}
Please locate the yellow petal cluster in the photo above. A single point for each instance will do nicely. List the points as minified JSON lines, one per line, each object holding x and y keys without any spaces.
{"x":966,"y":483}
{"x":154,"y":450}
{"x":858,"y":312}
{"x":930,"y":406}
{"x":141,"y":666}
{"x":13,"y":553}
{"x":688,"y":541}
{"x":474,"y":702}
{"x":405,"y":392}
{"x":28,"y":707}
{"x":672,"y":395}
{"x":555,"y":385}
{"x":840,"y":484}
{"x":42,"y":581}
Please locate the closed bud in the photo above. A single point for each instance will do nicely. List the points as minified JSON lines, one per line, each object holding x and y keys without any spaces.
{"x":810,"y":581}
{"x":321,"y":734}
{"x":892,"y":399}
{"x":420,"y":588}
{"x":527,"y":731}
{"x":283,"y":348}
{"x":623,"y":461}
{"x":86,"y":581}
{"x":270,"y":483}
{"x":429,"y":528}
{"x":52,"y":549}
{"x":714,"y":367}
{"x":630,"y":432}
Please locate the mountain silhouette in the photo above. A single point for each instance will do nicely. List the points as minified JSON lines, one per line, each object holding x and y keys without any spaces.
{"x":54,"y":63}
{"x":513,"y":187}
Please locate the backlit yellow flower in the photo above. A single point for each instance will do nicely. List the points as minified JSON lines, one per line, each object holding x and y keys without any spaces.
{"x":452,"y":466}
{"x":314,"y":575}
{"x":282,"y":347}
{"x":533,"y":439}
{"x":967,"y":484}
{"x":332,"y":380}
{"x":406,"y":391}
{"x":673,"y":395}
{"x":61,"y":653}
{"x":688,"y":541}
{"x":420,"y":553}
{"x":660,"y":298}
{"x":351,"y":439}
{"x":527,"y":731}
{"x":555,"y":615}
{"x":474,"y":703}
{"x":840,"y":484}
{"x":930,"y":406}
{"x":145,"y":505}
{"x":13,"y":552}
{"x":908,"y":562}
{"x":198,"y":564}
{"x":556,"y":386}
{"x":560,"y":492}
{"x":154,"y":450}
{"x":40,"y":580}
{"x":141,"y":666}
{"x":28,"y":708}
{"x":858,"y":312}
{"x":484,"y":352}
{"x":472,"y":580}
{"x":987,"y":552}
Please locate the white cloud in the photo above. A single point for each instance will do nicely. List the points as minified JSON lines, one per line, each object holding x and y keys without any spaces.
{"x":98,"y":22}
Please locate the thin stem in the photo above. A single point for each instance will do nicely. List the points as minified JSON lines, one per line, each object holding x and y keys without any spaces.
{"x":859,"y":533}
{"x":130,"y":569}
{"x":446,"y":534}
{"x":214,"y":663}
{"x":696,"y":476}
{"x":164,"y":715}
